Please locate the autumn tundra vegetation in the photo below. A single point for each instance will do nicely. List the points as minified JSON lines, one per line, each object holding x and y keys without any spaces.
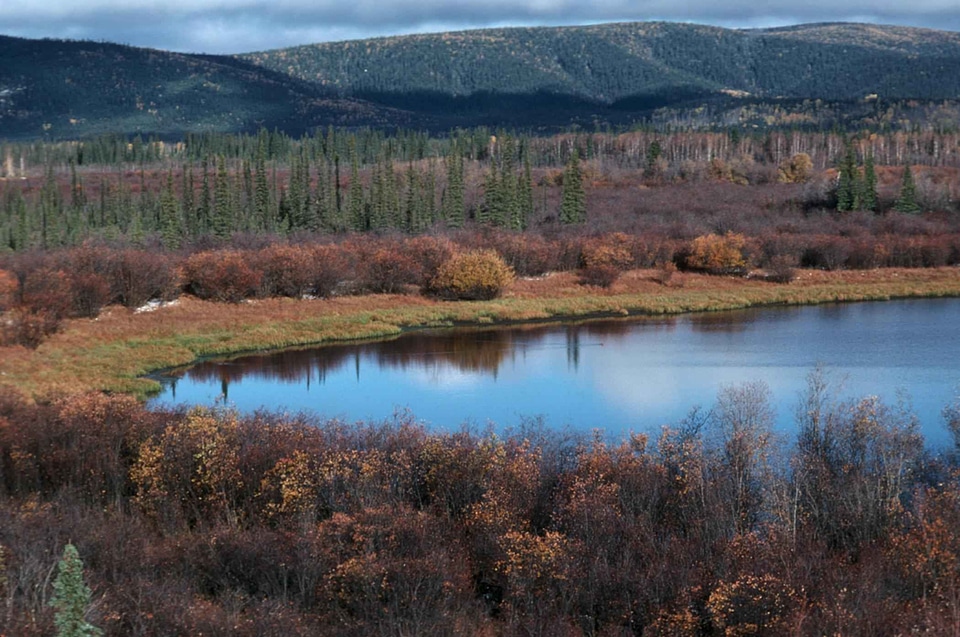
{"x":210,"y":522}
{"x":205,"y":521}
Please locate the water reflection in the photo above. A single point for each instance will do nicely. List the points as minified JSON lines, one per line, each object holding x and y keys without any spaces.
{"x":617,"y":375}
{"x":466,"y":350}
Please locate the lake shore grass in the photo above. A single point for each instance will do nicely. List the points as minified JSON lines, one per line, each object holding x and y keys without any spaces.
{"x":116,"y":350}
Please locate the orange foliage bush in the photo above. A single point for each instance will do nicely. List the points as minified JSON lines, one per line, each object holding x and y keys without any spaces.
{"x":717,"y":254}
{"x":223,"y":275}
{"x":8,"y":290}
{"x":611,"y":251}
{"x":475,"y":275}
{"x":751,"y":605}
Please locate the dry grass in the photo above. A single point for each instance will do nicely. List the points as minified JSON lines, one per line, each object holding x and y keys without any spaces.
{"x":112,"y":352}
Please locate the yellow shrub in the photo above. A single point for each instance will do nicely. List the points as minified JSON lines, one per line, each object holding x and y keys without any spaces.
{"x":795,"y":170}
{"x":717,"y":254}
{"x":611,"y":250}
{"x":478,"y":274}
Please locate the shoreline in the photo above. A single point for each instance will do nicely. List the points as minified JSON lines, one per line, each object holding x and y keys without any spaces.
{"x":120,"y":352}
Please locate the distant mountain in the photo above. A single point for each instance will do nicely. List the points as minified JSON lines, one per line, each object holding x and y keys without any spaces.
{"x":63,"y":89}
{"x":812,"y":75}
{"x":630,"y":66}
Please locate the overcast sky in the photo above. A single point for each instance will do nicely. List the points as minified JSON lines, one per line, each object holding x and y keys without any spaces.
{"x":234,"y":26}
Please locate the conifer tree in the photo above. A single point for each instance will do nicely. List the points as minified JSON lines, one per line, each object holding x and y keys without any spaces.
{"x":508,"y":204}
{"x":356,"y":208}
{"x":653,"y":154}
{"x":907,"y":201}
{"x":848,"y":182}
{"x":170,"y":226}
{"x":492,"y":209}
{"x":204,"y":210}
{"x":453,"y":203}
{"x":188,"y":201}
{"x":573,"y":206}
{"x":261,"y":188}
{"x":524,"y":198}
{"x":869,"y":200}
{"x":222,"y":223}
{"x":71,"y":598}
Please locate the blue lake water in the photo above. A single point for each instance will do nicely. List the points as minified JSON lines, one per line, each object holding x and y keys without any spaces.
{"x":615,"y":375}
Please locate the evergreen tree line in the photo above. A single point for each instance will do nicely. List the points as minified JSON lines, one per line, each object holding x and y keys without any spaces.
{"x":314,"y":192}
{"x":217,"y":185}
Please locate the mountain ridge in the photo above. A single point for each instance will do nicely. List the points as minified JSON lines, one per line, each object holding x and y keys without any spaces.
{"x":532,"y":77}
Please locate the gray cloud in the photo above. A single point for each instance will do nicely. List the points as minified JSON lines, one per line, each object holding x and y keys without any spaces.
{"x":229,"y":26}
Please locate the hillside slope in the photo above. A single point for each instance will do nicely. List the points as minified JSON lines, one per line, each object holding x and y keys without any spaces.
{"x":637,"y":64}
{"x":815,"y":75}
{"x":69,"y":89}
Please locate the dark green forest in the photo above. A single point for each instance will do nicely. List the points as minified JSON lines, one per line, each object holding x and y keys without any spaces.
{"x":542,"y":80}
{"x":611,"y":62}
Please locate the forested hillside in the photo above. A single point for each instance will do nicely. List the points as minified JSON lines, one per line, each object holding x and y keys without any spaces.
{"x":62,"y":89}
{"x":637,"y":64}
{"x":657,"y":75}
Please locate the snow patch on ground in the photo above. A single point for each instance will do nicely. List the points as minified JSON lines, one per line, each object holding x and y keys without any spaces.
{"x":155,"y":305}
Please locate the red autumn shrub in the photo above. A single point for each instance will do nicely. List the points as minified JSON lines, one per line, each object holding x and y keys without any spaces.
{"x":221,"y":275}
{"x":826,"y":252}
{"x":141,"y":276}
{"x":387,"y":271}
{"x":47,"y":290}
{"x":90,"y":292}
{"x":8,"y":290}
{"x":429,"y":253}
{"x":602,"y":276}
{"x":329,"y":268}
{"x":286,"y":270}
{"x":528,"y":254}
{"x":781,"y":269}
{"x":22,"y":326}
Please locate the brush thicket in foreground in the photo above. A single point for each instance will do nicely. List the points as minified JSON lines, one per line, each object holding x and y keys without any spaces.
{"x":113,"y":351}
{"x":210,"y":523}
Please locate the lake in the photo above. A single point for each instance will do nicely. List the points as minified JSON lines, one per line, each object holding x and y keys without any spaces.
{"x":616,"y":375}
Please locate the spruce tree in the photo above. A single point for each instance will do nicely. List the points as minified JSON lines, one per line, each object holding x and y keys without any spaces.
{"x":261,"y":189}
{"x":222,"y":223}
{"x":509,"y":205}
{"x":358,"y":219}
{"x":869,"y":200}
{"x":71,"y":598}
{"x":653,"y":154}
{"x":170,"y":226}
{"x":204,"y":210}
{"x":848,"y":186}
{"x":491,"y":210}
{"x":573,"y":206}
{"x":188,"y":202}
{"x":907,"y":201}
{"x":453,"y":204}
{"x":524,"y":198}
